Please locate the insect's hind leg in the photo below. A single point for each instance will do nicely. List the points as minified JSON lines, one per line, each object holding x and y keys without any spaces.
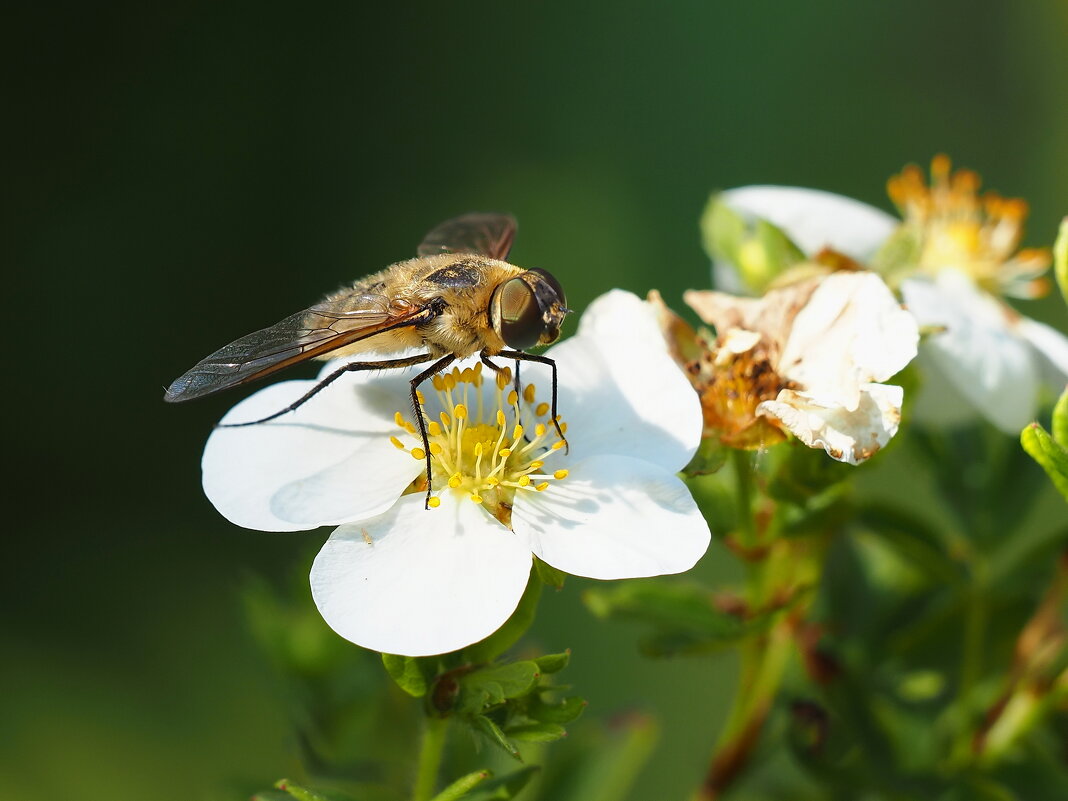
{"x":330,"y":379}
{"x":432,"y":370}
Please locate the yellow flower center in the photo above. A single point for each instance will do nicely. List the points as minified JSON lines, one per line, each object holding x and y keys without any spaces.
{"x":486,"y":443}
{"x":958,"y":228}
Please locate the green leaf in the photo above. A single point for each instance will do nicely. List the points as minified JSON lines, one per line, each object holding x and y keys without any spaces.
{"x":515,"y":627}
{"x":564,"y":712}
{"x":759,"y":252}
{"x":305,"y":794}
{"x":1059,"y":429}
{"x":492,"y":732}
{"x":537,"y":732}
{"x":513,"y":679}
{"x":1060,"y":258}
{"x":553,"y":663}
{"x":412,"y":674}
{"x":685,"y":615}
{"x":1051,"y":456}
{"x":505,"y":787}
{"x":462,"y":786}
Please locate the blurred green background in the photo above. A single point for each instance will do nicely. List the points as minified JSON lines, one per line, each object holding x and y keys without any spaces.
{"x":179,"y":174}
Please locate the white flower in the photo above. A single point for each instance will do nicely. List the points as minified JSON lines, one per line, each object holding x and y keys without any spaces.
{"x":810,"y":356}
{"x":399,"y":578}
{"x":964,"y":256}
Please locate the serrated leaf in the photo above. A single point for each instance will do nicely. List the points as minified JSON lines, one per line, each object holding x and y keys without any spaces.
{"x":537,"y":732}
{"x":502,"y":681}
{"x":515,"y":627}
{"x":492,"y":732}
{"x":462,"y":787}
{"x":412,"y":674}
{"x":549,"y":575}
{"x":563,"y":712}
{"x":553,"y":663}
{"x":1060,"y":258}
{"x":1051,"y":456}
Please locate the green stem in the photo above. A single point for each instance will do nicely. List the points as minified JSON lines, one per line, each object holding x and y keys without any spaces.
{"x":743,"y":485}
{"x":430,"y":754}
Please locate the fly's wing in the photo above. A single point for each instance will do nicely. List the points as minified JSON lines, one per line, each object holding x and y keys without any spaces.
{"x":322,"y":328}
{"x":483,"y":234}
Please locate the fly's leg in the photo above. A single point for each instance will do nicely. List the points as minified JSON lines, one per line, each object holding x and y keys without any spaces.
{"x":518,"y":356}
{"x":330,"y":379}
{"x":432,"y":370}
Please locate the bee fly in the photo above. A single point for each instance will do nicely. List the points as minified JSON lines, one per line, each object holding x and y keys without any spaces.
{"x":458,"y":297}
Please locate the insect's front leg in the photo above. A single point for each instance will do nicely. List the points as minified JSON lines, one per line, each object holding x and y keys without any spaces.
{"x":432,"y":370}
{"x":351,"y":367}
{"x":518,"y":356}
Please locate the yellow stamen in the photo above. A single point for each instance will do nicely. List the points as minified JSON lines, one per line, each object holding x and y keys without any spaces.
{"x":528,"y":393}
{"x":434,"y":502}
{"x":397,"y":443}
{"x":560,"y":474}
{"x":418,"y":453}
{"x":542,"y":409}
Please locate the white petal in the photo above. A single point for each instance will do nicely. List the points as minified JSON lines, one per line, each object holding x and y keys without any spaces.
{"x":620,"y":391}
{"x":428,"y":582}
{"x":851,"y":332}
{"x":613,"y":517}
{"x":815,"y":219}
{"x":1052,"y":347}
{"x":989,"y":363}
{"x":847,"y":435}
{"x":327,"y":462}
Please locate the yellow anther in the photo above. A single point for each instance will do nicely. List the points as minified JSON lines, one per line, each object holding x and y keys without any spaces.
{"x":397,"y":443}
{"x":501,"y":419}
{"x":502,"y":381}
{"x":420,"y":396}
{"x":541,"y":487}
{"x":563,"y":428}
{"x":434,"y":502}
{"x":559,"y":444}
{"x":528,"y":393}
{"x":398,"y":418}
{"x":478,"y":369}
{"x":493,"y":481}
{"x":476,"y":498}
{"x":517,"y":433}
{"x":559,"y":474}
{"x":433,"y":429}
{"x":445,"y":420}
{"x":513,"y":398}
{"x":435,"y":449}
{"x":468,"y":375}
{"x":460,"y":411}
{"x":455,"y":373}
{"x":418,"y":453}
{"x":541,"y":409}
{"x":478,"y":449}
{"x":504,"y":453}
{"x":524,"y":481}
{"x":536,"y":465}
{"x":455,"y":481}
{"x":439,"y":385}
{"x":450,"y":382}
{"x":409,"y":428}
{"x":539,"y":430}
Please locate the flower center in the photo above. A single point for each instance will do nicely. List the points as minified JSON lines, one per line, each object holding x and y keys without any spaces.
{"x":486,"y":442}
{"x":956,"y":227}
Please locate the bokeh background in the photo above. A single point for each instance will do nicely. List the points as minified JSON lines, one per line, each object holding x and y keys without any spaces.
{"x":179,"y":174}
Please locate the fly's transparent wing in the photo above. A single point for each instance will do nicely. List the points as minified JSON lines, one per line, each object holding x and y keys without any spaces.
{"x":322,"y":328}
{"x":483,"y":234}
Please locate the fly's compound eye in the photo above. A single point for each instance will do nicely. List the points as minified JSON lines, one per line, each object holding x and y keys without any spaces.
{"x":517,"y":316}
{"x":550,"y":279}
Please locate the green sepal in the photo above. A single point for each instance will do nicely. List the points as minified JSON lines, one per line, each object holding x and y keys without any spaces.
{"x":1059,"y":428}
{"x":412,"y":674}
{"x":1060,"y":259}
{"x":553,"y":663}
{"x":492,"y":732}
{"x":710,"y":456}
{"x":515,"y":627}
{"x":537,"y":732}
{"x":549,"y":575}
{"x":504,"y":787}
{"x":462,"y":787}
{"x":491,"y":686}
{"x":306,"y":794}
{"x":759,"y":251}
{"x":1051,"y":456}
